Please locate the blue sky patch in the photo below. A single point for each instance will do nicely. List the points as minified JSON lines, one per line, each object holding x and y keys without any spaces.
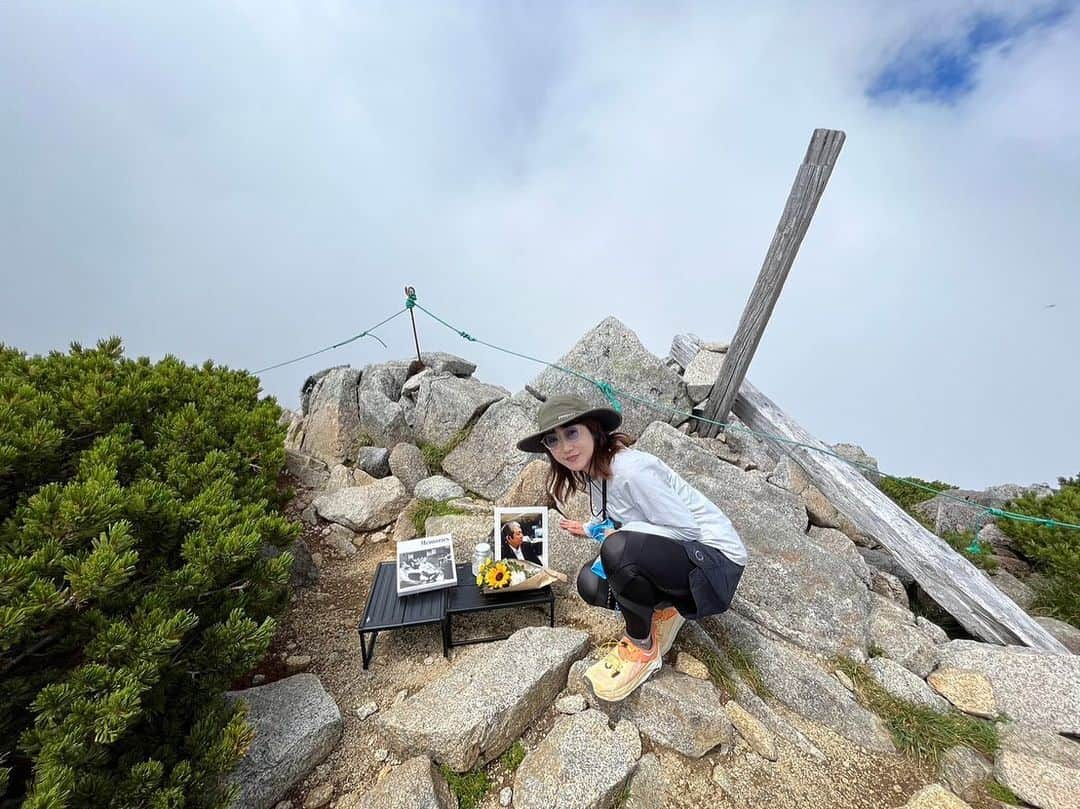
{"x":944,"y":70}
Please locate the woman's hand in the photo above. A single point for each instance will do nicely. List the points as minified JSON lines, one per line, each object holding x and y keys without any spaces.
{"x":574,"y":527}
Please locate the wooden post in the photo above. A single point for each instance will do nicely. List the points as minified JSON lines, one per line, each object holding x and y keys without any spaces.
{"x":809,"y":185}
{"x":950,"y":579}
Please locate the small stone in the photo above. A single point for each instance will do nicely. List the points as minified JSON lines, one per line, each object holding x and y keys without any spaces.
{"x":319,"y":797}
{"x":297,"y":663}
{"x":321,"y":772}
{"x":690,"y":665}
{"x":844,"y":680}
{"x":377,"y":537}
{"x":382,"y":754}
{"x":506,"y":795}
{"x":258,"y":679}
{"x":316,"y":559}
{"x":400,"y":697}
{"x":572,"y":704}
{"x":340,"y":541}
{"x":755,"y":733}
{"x":720,"y":778}
{"x":366,"y":710}
{"x":429,"y":660}
{"x":935,"y":796}
{"x":970,"y":691}
{"x":284,"y":805}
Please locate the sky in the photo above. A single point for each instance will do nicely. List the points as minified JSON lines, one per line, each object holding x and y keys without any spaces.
{"x":249,"y":182}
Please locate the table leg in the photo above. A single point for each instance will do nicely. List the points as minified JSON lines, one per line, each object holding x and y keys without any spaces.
{"x":551,"y":612}
{"x":447,"y":636}
{"x":367,"y":650}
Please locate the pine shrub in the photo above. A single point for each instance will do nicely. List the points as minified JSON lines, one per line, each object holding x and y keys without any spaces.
{"x":1055,"y":550}
{"x":137,"y":501}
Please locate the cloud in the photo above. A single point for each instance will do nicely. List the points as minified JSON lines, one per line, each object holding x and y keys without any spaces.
{"x":251,"y":182}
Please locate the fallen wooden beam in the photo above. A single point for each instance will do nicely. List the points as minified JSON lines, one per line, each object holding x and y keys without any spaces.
{"x":950,"y":579}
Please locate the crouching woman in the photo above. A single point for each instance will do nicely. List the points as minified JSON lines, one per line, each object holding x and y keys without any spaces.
{"x":672,"y":554}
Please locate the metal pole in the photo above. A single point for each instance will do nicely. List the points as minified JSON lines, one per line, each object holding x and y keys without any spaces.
{"x":411,"y":293}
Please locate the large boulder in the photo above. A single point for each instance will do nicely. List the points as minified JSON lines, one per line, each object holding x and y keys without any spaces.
{"x":374,"y":460}
{"x":902,"y":684}
{"x":530,"y":487}
{"x":670,"y":709}
{"x":488,"y":461}
{"x":441,"y":362}
{"x":414,"y":784}
{"x":863,"y":461}
{"x":364,"y":508}
{"x":799,"y":682}
{"x":1068,"y":634}
{"x":701,"y":374}
{"x":466,"y":531}
{"x":385,"y":378}
{"x":580,"y":764}
{"x":446,"y":404}
{"x":332,"y":427}
{"x":438,"y":488}
{"x":1041,"y":768}
{"x":964,"y":509}
{"x":309,"y":472}
{"x":1031,"y":686}
{"x":475,"y":712}
{"x":893,"y":631}
{"x":793,"y":586}
{"x":382,"y":419}
{"x":612,"y":353}
{"x":407,"y":464}
{"x":296,"y":724}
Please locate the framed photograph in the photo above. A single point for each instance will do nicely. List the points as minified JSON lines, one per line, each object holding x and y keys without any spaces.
{"x":425,"y":564}
{"x":522,"y":533}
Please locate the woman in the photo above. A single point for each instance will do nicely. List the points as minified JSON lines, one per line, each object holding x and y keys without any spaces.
{"x":673,"y":555}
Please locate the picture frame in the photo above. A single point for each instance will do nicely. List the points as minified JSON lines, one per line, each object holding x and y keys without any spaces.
{"x":424,"y":564}
{"x":532,"y":521}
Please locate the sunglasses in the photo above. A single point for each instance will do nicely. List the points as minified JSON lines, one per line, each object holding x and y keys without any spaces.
{"x":570,"y":435}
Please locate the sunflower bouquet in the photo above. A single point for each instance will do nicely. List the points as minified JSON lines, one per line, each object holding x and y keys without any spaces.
{"x":513,"y":576}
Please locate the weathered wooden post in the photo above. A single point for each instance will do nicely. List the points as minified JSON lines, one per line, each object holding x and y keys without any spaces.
{"x":809,"y":185}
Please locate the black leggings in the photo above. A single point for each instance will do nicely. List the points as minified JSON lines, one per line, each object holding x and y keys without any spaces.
{"x":644,"y":572}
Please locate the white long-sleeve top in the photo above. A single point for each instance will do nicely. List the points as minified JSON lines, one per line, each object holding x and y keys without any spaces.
{"x":644,"y":494}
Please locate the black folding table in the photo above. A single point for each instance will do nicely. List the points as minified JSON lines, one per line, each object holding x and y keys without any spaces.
{"x":467,"y":598}
{"x":385,"y":610}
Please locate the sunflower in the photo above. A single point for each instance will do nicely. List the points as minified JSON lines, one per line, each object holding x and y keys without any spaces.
{"x":498,"y":576}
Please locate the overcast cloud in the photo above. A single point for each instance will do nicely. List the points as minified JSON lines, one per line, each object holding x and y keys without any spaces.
{"x":251,"y":181}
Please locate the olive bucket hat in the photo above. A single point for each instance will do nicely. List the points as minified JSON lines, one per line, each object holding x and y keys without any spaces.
{"x":563,"y":409}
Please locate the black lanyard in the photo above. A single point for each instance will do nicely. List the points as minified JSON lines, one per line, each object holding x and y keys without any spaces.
{"x":602,"y":514}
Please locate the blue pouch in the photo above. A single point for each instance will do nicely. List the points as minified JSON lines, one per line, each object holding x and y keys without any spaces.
{"x":597,"y":533}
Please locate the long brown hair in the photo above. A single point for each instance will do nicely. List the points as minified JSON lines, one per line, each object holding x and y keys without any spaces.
{"x":561,"y":482}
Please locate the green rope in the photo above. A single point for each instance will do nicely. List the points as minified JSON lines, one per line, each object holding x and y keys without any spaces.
{"x":365,"y":333}
{"x":612,"y":394}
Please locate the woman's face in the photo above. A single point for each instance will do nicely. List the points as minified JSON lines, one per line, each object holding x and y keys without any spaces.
{"x":574,"y":449}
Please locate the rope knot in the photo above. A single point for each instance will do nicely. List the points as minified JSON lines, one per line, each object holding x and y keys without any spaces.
{"x":410,"y":300}
{"x":609,"y":393}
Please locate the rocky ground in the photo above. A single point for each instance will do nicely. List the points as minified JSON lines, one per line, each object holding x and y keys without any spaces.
{"x":821,"y":602}
{"x":321,"y":625}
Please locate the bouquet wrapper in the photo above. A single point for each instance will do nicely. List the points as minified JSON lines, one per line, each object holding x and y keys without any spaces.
{"x":537,"y":577}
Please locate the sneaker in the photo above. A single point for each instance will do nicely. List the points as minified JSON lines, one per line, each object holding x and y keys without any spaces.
{"x":666,"y":624}
{"x":625,"y":668}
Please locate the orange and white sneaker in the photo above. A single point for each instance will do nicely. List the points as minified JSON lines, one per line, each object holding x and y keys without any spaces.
{"x":666,"y":624}
{"x":625,"y":668}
